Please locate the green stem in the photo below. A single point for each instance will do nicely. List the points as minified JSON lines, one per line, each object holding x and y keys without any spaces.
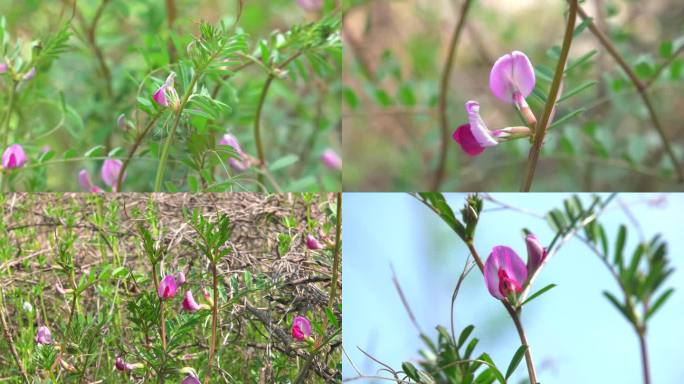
{"x":257,"y":127}
{"x":137,"y":143}
{"x":169,"y":139}
{"x":542,"y":125}
{"x":443,"y":96}
{"x":214,"y":323}
{"x":644,"y":355}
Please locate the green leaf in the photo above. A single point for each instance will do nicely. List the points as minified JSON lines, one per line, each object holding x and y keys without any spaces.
{"x":576,"y":90}
{"x":581,"y":60}
{"x":582,"y":26}
{"x":410,"y":371}
{"x":283,"y":162}
{"x":620,"y":245}
{"x":538,"y":293}
{"x":619,"y":306}
{"x":95,"y":151}
{"x":464,"y":335}
{"x":567,"y":117}
{"x":515,"y":361}
{"x":659,"y":302}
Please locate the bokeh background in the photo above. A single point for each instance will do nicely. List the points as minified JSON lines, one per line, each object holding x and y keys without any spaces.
{"x":395,"y":52}
{"x":575,"y":334}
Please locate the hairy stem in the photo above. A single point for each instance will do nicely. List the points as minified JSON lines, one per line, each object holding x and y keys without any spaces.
{"x":542,"y":125}
{"x":169,"y":139}
{"x":641,"y":89}
{"x":214,"y":323}
{"x":444,"y":94}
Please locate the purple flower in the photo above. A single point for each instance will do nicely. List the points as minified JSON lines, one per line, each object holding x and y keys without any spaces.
{"x":310,"y":5}
{"x":191,"y":379}
{"x":237,"y":164}
{"x":110,"y":172}
{"x":512,"y":77}
{"x":14,"y":157}
{"x":331,"y":160}
{"x":167,"y":287}
{"x":536,"y":253}
{"x":3,"y":68}
{"x":30,"y":74}
{"x":44,"y":336}
{"x":86,"y":184}
{"x":312,"y":243}
{"x":166,"y":91}
{"x":474,"y":137}
{"x":301,"y":328}
{"x":504,"y":272}
{"x":189,"y":303}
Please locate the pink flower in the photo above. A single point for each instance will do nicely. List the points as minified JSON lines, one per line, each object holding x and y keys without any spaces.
{"x":86,"y":184}
{"x":331,"y":160}
{"x":3,"y":68}
{"x":512,"y":77}
{"x":504,"y":272}
{"x":167,"y":287}
{"x":60,"y":289}
{"x":536,"y":253}
{"x":232,"y":141}
{"x":474,"y":137}
{"x":191,"y":379}
{"x":166,"y":91}
{"x":310,"y":5}
{"x":44,"y":336}
{"x":301,"y":328}
{"x":110,"y":172}
{"x":14,"y":157}
{"x":312,"y":243}
{"x":180,"y":278}
{"x":189,"y":303}
{"x":122,"y":366}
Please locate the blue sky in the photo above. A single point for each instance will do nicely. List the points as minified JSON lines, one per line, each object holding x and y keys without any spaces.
{"x":576,"y":336}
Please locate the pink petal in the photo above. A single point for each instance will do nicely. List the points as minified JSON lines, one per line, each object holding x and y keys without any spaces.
{"x":477,"y":126}
{"x":503,"y":258}
{"x":512,"y":73}
{"x":167,"y":287}
{"x":189,"y":303}
{"x":14,"y":157}
{"x":536,"y":253}
{"x":331,"y":160}
{"x":465,"y":138}
{"x":110,"y":172}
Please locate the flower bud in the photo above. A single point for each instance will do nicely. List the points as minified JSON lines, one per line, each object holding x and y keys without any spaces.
{"x":189,"y":303}
{"x":331,"y":160}
{"x":312,"y":243}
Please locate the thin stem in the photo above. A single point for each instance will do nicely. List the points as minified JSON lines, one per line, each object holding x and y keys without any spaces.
{"x":170,"y":19}
{"x":444,"y":94}
{"x":644,"y":356}
{"x":641,"y":89}
{"x":260,"y":107}
{"x":104,"y":69}
{"x":131,"y":153}
{"x":663,"y":66}
{"x":214,"y":323}
{"x":336,"y":254}
{"x":169,"y":139}
{"x":5,"y":126}
{"x":542,"y":125}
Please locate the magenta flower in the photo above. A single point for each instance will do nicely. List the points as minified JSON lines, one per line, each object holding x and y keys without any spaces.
{"x":3,"y":68}
{"x":331,"y":160}
{"x":312,"y":243}
{"x":191,"y":379}
{"x":512,"y":78}
{"x":166,"y":92}
{"x":14,"y":157}
{"x":189,"y":303}
{"x":536,"y":253}
{"x":237,"y":164}
{"x":86,"y":184}
{"x":44,"y":336}
{"x":122,"y":366}
{"x":167,"y":287}
{"x":301,"y":328}
{"x":504,"y":272}
{"x":310,"y":5}
{"x":474,"y":137}
{"x":110,"y":172}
